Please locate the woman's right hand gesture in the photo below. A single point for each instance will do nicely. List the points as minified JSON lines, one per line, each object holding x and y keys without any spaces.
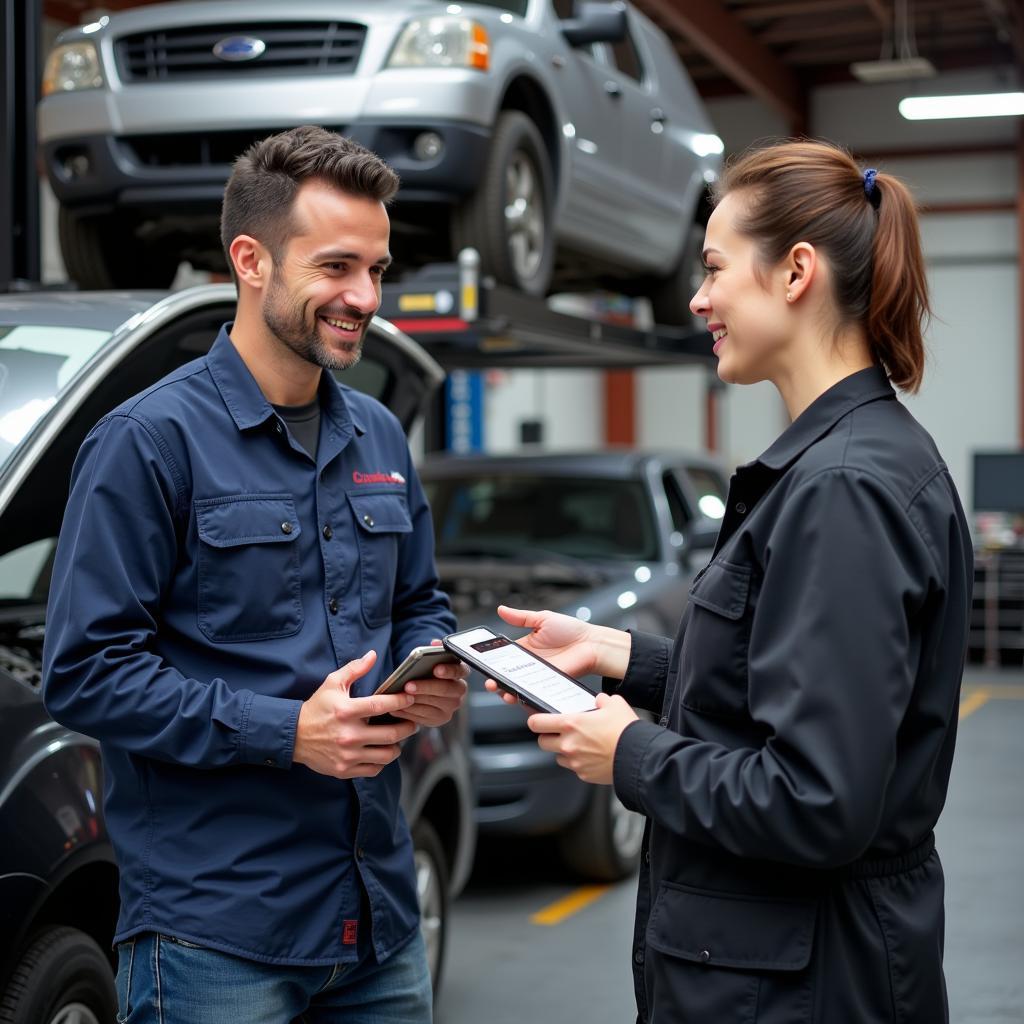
{"x":577,"y":648}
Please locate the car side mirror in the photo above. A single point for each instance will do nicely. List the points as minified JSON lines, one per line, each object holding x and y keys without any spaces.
{"x":701,"y":535}
{"x":596,"y":23}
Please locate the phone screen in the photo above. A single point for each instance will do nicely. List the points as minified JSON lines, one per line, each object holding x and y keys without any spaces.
{"x":509,"y":661}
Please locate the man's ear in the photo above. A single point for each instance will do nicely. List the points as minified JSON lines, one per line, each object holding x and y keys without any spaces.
{"x":800,"y":267}
{"x":251,"y":260}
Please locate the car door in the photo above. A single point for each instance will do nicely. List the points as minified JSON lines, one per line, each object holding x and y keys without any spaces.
{"x":649,"y":210}
{"x":594,"y":183}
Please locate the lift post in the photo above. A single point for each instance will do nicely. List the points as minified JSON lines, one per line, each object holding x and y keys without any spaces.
{"x":20,"y":38}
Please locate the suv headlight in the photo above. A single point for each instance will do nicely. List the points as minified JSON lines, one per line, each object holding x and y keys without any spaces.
{"x":442,"y":42}
{"x":72,"y":66}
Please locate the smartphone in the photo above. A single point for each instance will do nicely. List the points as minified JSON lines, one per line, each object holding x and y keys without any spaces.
{"x":418,"y":665}
{"x":519,"y":671}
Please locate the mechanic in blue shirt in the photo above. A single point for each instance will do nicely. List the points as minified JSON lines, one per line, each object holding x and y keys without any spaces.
{"x":234,"y":534}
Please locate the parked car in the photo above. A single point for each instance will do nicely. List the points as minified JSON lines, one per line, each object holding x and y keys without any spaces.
{"x":610,"y":537}
{"x":65,"y":360}
{"x":567,"y":145}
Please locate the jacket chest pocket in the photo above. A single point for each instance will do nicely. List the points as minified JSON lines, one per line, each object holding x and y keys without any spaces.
{"x":381,"y":519}
{"x":714,"y":657}
{"x":248,"y":567}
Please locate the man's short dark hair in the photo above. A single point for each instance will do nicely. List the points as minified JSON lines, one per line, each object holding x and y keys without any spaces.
{"x":261,"y":190}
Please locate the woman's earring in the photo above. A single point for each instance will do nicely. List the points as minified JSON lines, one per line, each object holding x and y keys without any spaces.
{"x":789,"y":296}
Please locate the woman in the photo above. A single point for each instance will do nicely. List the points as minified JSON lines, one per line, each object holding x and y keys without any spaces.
{"x":808,"y":701}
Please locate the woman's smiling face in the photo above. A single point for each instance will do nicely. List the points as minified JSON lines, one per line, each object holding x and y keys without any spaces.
{"x":746,"y":313}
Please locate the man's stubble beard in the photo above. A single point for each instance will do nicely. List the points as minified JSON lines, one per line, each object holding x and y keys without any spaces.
{"x":285,"y":319}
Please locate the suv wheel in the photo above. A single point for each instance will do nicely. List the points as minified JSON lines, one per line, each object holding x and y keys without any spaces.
{"x":432,"y":890}
{"x":670,"y":296}
{"x":508,"y":218}
{"x":104,"y":252}
{"x":62,"y":978}
{"x":604,"y":843}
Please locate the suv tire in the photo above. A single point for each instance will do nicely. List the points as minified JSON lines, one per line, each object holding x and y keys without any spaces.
{"x":61,"y":976}
{"x":104,"y":252}
{"x":603,"y":844}
{"x":670,"y":296}
{"x":508,"y":220}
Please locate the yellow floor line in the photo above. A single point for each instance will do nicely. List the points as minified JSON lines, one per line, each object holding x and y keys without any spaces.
{"x":997,"y":691}
{"x":557,"y":912}
{"x":972,"y":702}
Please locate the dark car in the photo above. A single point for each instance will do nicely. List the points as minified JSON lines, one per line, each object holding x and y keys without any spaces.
{"x":611,"y":537}
{"x":65,"y":360}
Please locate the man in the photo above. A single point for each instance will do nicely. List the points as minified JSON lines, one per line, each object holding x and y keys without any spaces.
{"x":222,"y":555}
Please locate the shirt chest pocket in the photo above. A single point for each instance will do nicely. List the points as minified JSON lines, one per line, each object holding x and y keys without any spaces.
{"x":381,"y":519}
{"x":248,"y":567}
{"x":714,"y":659}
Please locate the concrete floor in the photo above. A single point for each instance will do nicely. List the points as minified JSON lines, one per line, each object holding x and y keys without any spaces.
{"x":503,"y":969}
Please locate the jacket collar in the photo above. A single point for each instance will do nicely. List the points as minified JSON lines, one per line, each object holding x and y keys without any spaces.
{"x":246,"y":402}
{"x":824,"y":413}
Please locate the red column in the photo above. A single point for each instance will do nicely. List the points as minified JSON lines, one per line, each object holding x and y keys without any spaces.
{"x":620,"y":407}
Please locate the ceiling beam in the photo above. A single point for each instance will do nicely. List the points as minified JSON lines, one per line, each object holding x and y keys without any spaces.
{"x":729,"y":44}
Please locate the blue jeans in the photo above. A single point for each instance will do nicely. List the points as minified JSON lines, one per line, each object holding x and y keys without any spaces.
{"x":166,"y":981}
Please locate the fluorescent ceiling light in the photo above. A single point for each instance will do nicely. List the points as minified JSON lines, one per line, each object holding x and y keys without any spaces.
{"x":900,"y":70}
{"x":995,"y":104}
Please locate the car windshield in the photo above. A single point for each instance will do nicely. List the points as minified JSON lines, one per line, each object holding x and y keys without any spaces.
{"x":37,"y":362}
{"x":527,"y":515}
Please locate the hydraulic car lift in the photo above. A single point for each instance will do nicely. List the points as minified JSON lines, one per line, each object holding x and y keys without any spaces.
{"x":470,"y":322}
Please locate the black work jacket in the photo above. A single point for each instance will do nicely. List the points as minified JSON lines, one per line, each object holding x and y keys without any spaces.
{"x":808,"y":714}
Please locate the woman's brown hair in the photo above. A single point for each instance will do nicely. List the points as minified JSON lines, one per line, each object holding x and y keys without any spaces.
{"x":864,"y":222}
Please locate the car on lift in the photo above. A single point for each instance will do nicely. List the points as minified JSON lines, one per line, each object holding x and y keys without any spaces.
{"x":612,"y":537}
{"x":564,"y":141}
{"x":65,"y":360}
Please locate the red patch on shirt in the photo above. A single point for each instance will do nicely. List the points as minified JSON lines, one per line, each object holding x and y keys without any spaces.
{"x":350,"y":933}
{"x":394,"y":477}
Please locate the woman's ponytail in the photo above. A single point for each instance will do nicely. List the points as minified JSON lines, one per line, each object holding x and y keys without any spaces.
{"x":899,"y":291}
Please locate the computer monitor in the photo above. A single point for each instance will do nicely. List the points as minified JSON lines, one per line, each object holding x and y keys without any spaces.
{"x":999,"y":482}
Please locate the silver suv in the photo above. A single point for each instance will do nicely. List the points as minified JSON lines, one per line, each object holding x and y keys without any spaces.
{"x":564,"y":141}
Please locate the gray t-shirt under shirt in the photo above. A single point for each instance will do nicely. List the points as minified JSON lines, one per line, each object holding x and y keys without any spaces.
{"x":304,"y":423}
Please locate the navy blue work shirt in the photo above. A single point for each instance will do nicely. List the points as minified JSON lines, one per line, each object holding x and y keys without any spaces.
{"x":210,"y":574}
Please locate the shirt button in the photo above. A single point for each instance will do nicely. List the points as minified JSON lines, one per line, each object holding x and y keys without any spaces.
{"x":328,"y":533}
{"x":270,"y":762}
{"x":638,"y":956}
{"x":360,"y":853}
{"x":368,"y":520}
{"x":278,"y":427}
{"x":333,"y":606}
{"x":286,"y":527}
{"x":705,"y":956}
{"x":741,"y":508}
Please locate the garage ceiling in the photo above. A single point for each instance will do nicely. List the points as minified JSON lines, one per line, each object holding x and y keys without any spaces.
{"x":778,"y":49}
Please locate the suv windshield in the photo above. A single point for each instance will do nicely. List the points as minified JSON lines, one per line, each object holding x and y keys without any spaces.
{"x":37,"y":362}
{"x":507,"y":515}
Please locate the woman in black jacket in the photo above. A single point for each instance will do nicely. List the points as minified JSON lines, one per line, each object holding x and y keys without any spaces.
{"x":808,"y":701}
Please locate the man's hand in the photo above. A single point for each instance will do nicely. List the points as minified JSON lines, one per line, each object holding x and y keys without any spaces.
{"x":585,"y":743}
{"x":333,"y":737}
{"x":437,"y":697}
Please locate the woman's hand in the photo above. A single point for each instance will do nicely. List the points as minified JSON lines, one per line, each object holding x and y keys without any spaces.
{"x":585,"y":743}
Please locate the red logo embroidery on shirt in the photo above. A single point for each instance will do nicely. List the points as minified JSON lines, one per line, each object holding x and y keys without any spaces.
{"x":349,"y":933}
{"x":394,"y":477}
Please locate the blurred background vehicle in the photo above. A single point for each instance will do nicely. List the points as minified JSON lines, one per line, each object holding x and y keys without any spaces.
{"x":609,"y":537}
{"x":65,"y":360}
{"x":564,"y":141}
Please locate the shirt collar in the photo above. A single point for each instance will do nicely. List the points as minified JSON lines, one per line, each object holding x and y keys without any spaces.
{"x":825,"y":412}
{"x":246,"y":402}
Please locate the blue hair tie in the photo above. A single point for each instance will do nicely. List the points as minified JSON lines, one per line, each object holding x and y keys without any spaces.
{"x":869,"y":183}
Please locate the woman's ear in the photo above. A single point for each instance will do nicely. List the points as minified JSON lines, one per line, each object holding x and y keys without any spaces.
{"x":251,"y":261}
{"x":800,"y":267}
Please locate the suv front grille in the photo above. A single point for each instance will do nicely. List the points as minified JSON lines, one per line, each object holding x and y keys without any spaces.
{"x":291,"y":48}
